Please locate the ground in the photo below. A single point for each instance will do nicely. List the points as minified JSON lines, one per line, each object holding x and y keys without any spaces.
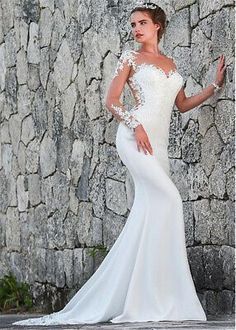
{"x":226,"y":322}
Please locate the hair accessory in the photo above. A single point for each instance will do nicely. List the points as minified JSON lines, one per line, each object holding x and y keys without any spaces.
{"x":147,"y":5}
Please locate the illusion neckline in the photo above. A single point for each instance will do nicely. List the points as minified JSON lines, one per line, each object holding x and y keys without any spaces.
{"x":156,"y":67}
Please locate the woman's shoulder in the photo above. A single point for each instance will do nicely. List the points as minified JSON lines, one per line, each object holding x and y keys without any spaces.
{"x":128,"y":54}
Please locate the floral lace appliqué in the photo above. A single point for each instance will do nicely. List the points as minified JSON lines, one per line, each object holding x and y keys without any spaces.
{"x":127,"y":56}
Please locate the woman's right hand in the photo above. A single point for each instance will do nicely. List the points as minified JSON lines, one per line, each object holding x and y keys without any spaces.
{"x":142,"y":139}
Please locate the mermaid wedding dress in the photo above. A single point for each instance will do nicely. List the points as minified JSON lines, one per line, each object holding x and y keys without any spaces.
{"x":146,"y":275}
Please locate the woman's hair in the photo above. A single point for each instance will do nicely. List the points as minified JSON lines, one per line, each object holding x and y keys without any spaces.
{"x":157,"y":15}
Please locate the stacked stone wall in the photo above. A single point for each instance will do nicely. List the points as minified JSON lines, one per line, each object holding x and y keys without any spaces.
{"x":65,"y":194}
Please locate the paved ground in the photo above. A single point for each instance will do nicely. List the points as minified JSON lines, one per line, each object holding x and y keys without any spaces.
{"x":216,"y":323}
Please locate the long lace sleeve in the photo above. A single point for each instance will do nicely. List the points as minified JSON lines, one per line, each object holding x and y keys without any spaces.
{"x":125,"y":61}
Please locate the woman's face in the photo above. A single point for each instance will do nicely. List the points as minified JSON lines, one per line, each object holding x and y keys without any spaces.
{"x":143,"y":28}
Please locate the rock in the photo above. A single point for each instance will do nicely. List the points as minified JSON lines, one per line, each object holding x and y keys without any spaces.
{"x":59,"y":30}
{"x":93,"y":104}
{"x":32,"y":156}
{"x":44,"y":66}
{"x":84,"y":14}
{"x":24,"y":101}
{"x":68,"y":257}
{"x":64,"y":147}
{"x":33,"y":77}
{"x":220,"y":222}
{"x":2,"y":231}
{"x":227,"y":255}
{"x":76,"y":161}
{"x":11,"y":91}
{"x":91,"y":55}
{"x":191,"y":143}
{"x":205,"y":9}
{"x":33,"y":51}
{"x":22,"y":193}
{"x":48,"y":156}
{"x":45,"y":27}
{"x":189,"y":222}
{"x":84,"y":224}
{"x":7,"y":16}
{"x":96,"y":190}
{"x":116,"y":197}
{"x":28,"y":133}
{"x":202,"y":215}
{"x":212,"y":261}
{"x":47,"y":4}
{"x":130,"y":190}
{"x":10,"y":49}
{"x":55,"y":231}
{"x":34,"y":189}
{"x":217,"y":181}
{"x":196,"y":262}
{"x":40,"y":112}
{"x":178,"y":169}
{"x":74,"y":38}
{"x":21,"y":67}
{"x":112,"y":226}
{"x":210,"y":148}
{"x":7,"y":158}
{"x":13,"y":230}
{"x":230,"y":184}
{"x":74,"y":202}
{"x":198,"y":182}
{"x":224,"y":119}
{"x":110,"y":132}
{"x":175,"y":135}
{"x":201,"y":57}
{"x":205,"y":119}
{"x":5,"y":136}
{"x":78,"y":267}
{"x":11,"y":187}
{"x":70,"y":225}
{"x":31,"y":11}
{"x":63,"y":67}
{"x":69,"y":98}
{"x":2,"y":67}
{"x":55,"y":195}
{"x":194,"y":14}
{"x":4,"y":192}
{"x":179,"y":22}
{"x":115,"y":168}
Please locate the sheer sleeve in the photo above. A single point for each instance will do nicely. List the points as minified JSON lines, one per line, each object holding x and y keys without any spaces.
{"x":126,"y":60}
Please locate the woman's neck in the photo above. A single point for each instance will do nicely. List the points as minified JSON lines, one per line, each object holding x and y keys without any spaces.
{"x":151,"y":49}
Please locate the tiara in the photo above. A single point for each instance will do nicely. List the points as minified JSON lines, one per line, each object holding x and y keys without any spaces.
{"x":147,"y":5}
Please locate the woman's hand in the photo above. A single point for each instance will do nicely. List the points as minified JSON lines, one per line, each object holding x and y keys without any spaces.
{"x":220,"y":71}
{"x":142,"y":139}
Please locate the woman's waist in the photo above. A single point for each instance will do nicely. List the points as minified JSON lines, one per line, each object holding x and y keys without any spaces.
{"x":158,"y":137}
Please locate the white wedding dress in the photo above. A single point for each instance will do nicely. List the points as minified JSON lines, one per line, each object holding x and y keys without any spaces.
{"x":146,"y":275}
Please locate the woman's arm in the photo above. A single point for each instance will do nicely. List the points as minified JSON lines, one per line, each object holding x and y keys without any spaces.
{"x":115,"y":89}
{"x":184,"y":103}
{"x":114,"y":105}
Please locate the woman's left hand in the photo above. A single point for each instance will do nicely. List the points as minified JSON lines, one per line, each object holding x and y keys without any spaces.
{"x":220,"y":71}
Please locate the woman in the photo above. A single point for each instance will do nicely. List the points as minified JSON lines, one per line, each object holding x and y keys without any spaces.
{"x":146,"y":275}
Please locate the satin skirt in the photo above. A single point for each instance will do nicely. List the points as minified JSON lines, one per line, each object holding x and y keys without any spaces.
{"x":146,"y":274}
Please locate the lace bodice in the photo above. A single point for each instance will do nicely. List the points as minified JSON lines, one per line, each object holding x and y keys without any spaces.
{"x":153,"y":89}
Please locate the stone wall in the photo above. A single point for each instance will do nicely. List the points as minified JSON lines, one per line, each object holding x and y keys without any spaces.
{"x":65,"y":194}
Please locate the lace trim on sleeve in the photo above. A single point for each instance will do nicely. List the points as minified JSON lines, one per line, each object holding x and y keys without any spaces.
{"x":127,"y":56}
{"x":125,"y":116}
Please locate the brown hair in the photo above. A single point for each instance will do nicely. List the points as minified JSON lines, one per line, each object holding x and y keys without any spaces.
{"x":157,"y":15}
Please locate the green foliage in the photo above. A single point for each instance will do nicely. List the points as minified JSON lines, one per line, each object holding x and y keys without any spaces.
{"x":13,"y":294}
{"x":98,"y":249}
